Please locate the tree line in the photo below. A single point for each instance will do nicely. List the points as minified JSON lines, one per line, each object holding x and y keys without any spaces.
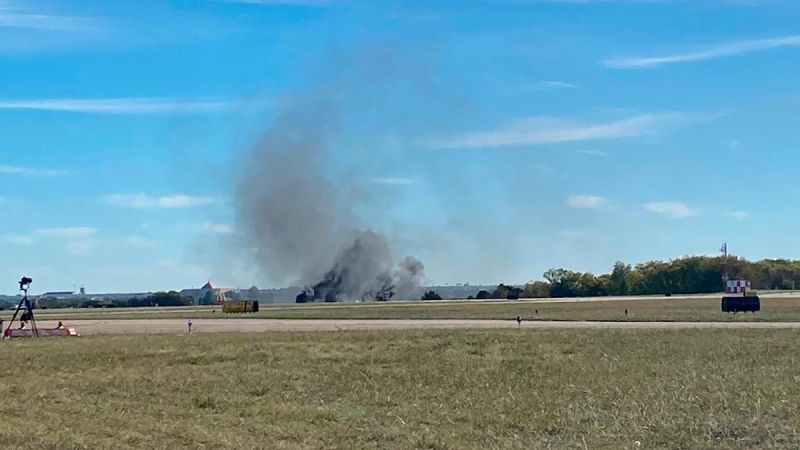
{"x":171,"y":298}
{"x":686,"y":275}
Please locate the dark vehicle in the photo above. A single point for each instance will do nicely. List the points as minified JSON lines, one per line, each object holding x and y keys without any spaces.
{"x":741,"y":304}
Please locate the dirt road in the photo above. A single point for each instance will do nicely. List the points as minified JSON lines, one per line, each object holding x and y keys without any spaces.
{"x":147,"y":326}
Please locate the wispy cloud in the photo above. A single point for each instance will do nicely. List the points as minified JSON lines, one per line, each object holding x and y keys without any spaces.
{"x":548,"y":85}
{"x":13,"y":170}
{"x":674,"y":209}
{"x":19,"y":239}
{"x":594,"y":153}
{"x":129,"y":106}
{"x":295,"y":2}
{"x":81,"y":247}
{"x":143,"y":201}
{"x":13,"y":16}
{"x":218,"y":228}
{"x":548,"y":130}
{"x":392,"y":180}
{"x":585,"y":201}
{"x":68,"y":233}
{"x":739,"y":215}
{"x":542,"y":167}
{"x":138,"y":242}
{"x":718,"y":51}
{"x":576,"y":233}
{"x":734,"y":144}
{"x":78,"y":239}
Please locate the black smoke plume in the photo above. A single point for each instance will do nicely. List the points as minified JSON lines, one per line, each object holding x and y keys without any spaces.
{"x":299,"y":223}
{"x":363,"y":271}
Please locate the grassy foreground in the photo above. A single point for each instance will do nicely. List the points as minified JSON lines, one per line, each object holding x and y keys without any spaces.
{"x":525,"y":389}
{"x":700,"y":309}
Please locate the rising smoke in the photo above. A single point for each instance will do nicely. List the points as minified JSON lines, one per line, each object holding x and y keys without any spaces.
{"x":300,"y":225}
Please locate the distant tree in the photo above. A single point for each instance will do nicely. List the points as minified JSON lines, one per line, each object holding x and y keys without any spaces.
{"x":562,"y":282}
{"x":253,"y":293}
{"x":507,"y":292}
{"x":556,"y":276}
{"x":171,"y":298}
{"x":685,"y":275}
{"x":431,"y":295}
{"x":483,"y":295}
{"x":620,"y":278}
{"x":537,"y":289}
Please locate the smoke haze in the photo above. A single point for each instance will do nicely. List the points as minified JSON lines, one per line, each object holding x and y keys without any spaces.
{"x":300,"y":225}
{"x":299,"y":196}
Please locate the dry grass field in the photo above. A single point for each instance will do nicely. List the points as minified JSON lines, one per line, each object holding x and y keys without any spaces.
{"x":658,"y":309}
{"x":433,"y":389}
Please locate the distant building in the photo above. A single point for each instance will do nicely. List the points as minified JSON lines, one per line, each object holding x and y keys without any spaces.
{"x":197,"y":295}
{"x":65,"y":294}
{"x":59,"y":295}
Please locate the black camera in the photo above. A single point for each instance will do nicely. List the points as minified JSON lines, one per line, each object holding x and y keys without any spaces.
{"x":24,"y":282}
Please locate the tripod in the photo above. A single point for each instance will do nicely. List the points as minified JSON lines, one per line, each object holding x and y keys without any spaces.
{"x":25,"y":306}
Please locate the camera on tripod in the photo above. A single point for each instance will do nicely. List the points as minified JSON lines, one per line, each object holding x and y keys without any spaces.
{"x":24,"y":283}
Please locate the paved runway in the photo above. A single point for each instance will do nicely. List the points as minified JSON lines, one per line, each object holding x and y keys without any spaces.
{"x":151,"y":326}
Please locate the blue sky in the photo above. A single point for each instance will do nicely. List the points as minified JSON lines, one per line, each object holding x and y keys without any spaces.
{"x":494,"y":139}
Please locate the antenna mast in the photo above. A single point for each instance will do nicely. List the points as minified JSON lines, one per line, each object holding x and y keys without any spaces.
{"x":724,"y":250}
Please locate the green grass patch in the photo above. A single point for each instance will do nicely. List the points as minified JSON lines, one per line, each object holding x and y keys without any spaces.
{"x":526,"y":389}
{"x":659,"y":309}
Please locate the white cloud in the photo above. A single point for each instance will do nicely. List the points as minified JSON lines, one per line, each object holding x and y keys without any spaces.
{"x":548,"y":85}
{"x":167,"y":263}
{"x":674,"y":209}
{"x":17,"y":17}
{"x":19,"y":239}
{"x":77,"y":238}
{"x":125,"y":105}
{"x":734,"y":144}
{"x":138,"y":241}
{"x":190,"y":271}
{"x":585,"y":201}
{"x":68,"y":233}
{"x":392,"y":180}
{"x":739,"y":215}
{"x":547,"y":130}
{"x":218,"y":228}
{"x":718,"y":51}
{"x":143,"y":201}
{"x":15,"y":170}
{"x":576,"y":233}
{"x":594,"y":152}
{"x":81,"y":247}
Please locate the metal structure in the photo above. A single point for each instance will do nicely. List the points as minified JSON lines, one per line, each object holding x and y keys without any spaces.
{"x":26,"y":308}
{"x":25,"y":312}
{"x":724,"y":251}
{"x":739,"y":294}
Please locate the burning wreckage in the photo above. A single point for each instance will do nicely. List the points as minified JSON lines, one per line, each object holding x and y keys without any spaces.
{"x":364,"y":271}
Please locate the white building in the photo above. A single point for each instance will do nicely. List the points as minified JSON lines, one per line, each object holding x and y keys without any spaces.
{"x":198,"y":295}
